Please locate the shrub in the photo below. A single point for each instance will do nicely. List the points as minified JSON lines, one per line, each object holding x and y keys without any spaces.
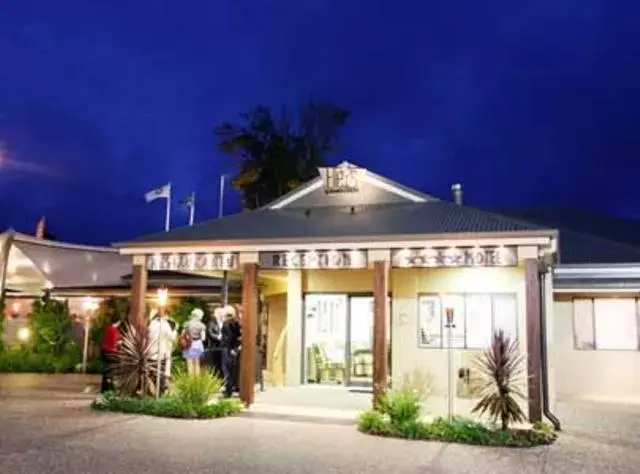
{"x":373,"y":422}
{"x":457,"y":430}
{"x":169,"y":407}
{"x":51,"y":327}
{"x":25,"y":360}
{"x":420,"y":382}
{"x":135,"y":372}
{"x":402,"y":406}
{"x":501,"y":367}
{"x":196,"y":389}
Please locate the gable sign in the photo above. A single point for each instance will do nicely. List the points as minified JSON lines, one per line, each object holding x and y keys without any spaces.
{"x":455,"y":257}
{"x":341,"y":179}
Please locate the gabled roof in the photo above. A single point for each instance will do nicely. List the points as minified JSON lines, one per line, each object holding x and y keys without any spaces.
{"x":388,"y":191}
{"x":349,"y":222}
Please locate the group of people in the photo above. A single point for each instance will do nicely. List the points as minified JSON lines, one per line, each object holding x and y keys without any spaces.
{"x":217,"y":342}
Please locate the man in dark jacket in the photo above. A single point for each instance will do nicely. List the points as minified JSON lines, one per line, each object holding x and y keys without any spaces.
{"x":231,"y":344}
{"x":213,"y":349}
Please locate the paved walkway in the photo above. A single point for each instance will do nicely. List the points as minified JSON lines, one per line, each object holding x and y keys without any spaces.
{"x":51,"y":430}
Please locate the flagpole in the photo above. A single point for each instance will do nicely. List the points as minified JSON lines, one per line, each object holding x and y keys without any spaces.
{"x":167,"y":221}
{"x":192,"y":208}
{"x":225,"y":274}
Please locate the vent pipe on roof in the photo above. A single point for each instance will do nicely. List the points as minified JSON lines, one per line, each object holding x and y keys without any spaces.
{"x":456,"y":189}
{"x":40,"y":228}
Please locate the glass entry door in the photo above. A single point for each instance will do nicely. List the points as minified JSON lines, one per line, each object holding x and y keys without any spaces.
{"x":360,"y":344}
{"x":338,"y":339}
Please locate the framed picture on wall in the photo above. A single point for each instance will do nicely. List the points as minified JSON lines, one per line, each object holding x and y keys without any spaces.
{"x":429,"y":321}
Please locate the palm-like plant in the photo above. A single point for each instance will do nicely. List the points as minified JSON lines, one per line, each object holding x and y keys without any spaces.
{"x":502,"y":368}
{"x":135,"y":371}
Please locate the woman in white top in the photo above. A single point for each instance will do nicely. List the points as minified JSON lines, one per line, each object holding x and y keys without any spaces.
{"x":196,"y":331}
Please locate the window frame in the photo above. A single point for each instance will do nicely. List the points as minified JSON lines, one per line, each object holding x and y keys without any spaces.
{"x":439,"y":298}
{"x":594,"y":344}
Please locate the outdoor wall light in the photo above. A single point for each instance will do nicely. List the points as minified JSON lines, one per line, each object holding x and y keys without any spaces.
{"x":162,"y":296}
{"x":24,"y":334}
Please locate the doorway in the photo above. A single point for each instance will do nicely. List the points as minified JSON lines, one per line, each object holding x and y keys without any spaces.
{"x":338,"y":339}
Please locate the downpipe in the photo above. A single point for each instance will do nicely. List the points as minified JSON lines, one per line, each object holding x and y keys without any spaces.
{"x":544,"y":369}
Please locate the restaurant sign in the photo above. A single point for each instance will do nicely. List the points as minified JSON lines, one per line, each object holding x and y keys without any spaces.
{"x":210,"y":261}
{"x":454,"y":257}
{"x":320,"y":259}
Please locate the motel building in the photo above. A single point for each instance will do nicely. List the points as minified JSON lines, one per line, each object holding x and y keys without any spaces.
{"x":359,"y":281}
{"x":353,"y":281}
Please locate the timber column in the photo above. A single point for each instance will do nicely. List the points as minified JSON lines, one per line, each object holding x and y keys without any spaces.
{"x":380,"y":318}
{"x":249,"y":332}
{"x":534,"y":357}
{"x":138,"y":291}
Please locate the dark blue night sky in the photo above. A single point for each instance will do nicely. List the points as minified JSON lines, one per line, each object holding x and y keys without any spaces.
{"x":525,"y":103}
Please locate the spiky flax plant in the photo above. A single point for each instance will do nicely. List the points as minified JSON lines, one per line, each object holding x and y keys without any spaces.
{"x":501,"y":366}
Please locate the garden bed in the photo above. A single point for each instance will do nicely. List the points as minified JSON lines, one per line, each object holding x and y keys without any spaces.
{"x":458,"y":430}
{"x":168,"y":407}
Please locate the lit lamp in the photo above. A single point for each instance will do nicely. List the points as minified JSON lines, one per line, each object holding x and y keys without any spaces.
{"x":89,"y":305}
{"x":15,"y":310}
{"x":162,"y":296}
{"x":24,"y":334}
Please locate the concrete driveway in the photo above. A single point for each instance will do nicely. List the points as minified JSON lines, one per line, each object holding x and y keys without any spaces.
{"x":47,"y":428}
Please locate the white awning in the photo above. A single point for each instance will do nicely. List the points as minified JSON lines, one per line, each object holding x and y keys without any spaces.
{"x":35,"y":264}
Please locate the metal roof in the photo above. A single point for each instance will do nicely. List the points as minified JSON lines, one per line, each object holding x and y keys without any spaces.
{"x":431,"y":217}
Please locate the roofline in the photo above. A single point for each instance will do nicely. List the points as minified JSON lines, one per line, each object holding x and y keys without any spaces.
{"x":368,"y":176}
{"x":30,"y":239}
{"x":536,"y":237}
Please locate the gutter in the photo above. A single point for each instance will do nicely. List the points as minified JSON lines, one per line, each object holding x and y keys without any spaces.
{"x":544,"y":368}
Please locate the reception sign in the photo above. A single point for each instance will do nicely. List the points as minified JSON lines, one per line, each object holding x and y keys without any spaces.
{"x":320,"y":259}
{"x":212,"y":261}
{"x":455,"y":257}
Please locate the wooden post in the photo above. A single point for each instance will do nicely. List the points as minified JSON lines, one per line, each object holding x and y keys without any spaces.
{"x":380,"y":317}
{"x":138,"y":291}
{"x":532,"y":295}
{"x":249,"y":332}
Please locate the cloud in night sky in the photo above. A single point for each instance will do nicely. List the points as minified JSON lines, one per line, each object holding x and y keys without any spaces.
{"x":525,"y":104}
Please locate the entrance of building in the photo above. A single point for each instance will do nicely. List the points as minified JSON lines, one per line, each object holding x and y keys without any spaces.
{"x":338,"y":339}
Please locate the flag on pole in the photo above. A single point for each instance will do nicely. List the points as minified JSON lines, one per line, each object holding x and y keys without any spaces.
{"x":163,"y":192}
{"x":190,"y":203}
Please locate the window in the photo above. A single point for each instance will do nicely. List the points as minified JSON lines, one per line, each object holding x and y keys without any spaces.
{"x":606,"y":323}
{"x":476,"y":317}
{"x":429,"y":322}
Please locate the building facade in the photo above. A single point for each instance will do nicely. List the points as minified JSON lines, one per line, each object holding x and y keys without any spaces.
{"x":368,"y":282}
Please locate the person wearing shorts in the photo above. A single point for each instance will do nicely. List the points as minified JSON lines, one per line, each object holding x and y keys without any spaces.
{"x":196,"y":331}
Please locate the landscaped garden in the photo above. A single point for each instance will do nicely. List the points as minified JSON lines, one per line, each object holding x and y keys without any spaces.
{"x":399,"y":413}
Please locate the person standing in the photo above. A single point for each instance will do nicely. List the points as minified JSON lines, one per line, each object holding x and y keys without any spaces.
{"x":214,"y":335}
{"x":161,"y":338}
{"x":231,"y":345}
{"x":109,"y":352}
{"x":195,"y":331}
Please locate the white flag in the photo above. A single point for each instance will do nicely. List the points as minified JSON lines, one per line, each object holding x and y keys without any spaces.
{"x":159,"y":193}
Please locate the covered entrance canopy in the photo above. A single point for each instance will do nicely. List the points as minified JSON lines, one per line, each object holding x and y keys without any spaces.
{"x":31,"y":264}
{"x":350,"y":231}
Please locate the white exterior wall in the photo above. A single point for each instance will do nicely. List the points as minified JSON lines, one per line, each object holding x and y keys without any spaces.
{"x":586,"y":374}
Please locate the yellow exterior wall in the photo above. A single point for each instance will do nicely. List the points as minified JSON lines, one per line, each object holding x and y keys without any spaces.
{"x":338,"y":281}
{"x":276,"y":341}
{"x":408,"y":358}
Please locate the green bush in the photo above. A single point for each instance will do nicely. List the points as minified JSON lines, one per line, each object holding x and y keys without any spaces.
{"x":196,"y":389}
{"x":26,"y":360}
{"x":51,"y":327}
{"x":457,"y":430}
{"x":401,"y":406}
{"x":168,"y":407}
